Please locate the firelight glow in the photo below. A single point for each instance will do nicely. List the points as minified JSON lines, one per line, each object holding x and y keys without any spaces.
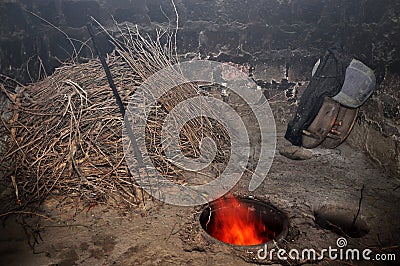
{"x":236,"y":223}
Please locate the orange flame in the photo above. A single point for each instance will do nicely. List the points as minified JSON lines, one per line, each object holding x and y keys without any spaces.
{"x":235,"y":222}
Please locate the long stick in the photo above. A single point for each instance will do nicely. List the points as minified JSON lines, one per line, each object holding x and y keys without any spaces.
{"x":128,"y":127}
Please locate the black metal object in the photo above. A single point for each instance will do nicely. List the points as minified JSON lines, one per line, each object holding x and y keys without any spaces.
{"x":132,"y":138}
{"x":128,"y":127}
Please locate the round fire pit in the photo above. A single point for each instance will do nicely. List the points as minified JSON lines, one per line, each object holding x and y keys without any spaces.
{"x":243,"y":221}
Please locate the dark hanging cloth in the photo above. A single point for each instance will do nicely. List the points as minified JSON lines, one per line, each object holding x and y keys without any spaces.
{"x":326,"y":82}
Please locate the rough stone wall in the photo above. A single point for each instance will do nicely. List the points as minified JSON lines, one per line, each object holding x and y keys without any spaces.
{"x":281,"y":38}
{"x":292,"y":33}
{"x":378,"y":128}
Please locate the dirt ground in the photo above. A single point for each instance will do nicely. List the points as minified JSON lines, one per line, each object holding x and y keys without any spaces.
{"x":330,"y":182}
{"x":169,"y":235}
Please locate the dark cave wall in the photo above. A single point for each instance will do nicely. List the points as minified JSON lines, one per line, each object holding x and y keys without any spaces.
{"x":289,"y":32}
{"x":377,"y":130}
{"x":282,"y":38}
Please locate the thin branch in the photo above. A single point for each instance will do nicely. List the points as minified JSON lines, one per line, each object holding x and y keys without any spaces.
{"x":359,"y":208}
{"x":26,"y":213}
{"x":75,"y":54}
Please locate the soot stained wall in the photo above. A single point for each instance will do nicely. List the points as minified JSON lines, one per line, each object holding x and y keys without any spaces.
{"x":282,"y":38}
{"x":292,"y":32}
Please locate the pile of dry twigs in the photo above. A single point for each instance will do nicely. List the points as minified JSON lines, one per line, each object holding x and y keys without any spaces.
{"x":65,"y":131}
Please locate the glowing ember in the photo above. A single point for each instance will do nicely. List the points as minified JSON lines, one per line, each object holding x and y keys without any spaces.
{"x":235,"y":222}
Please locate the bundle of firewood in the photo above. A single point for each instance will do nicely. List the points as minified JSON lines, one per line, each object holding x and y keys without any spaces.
{"x":65,"y":133}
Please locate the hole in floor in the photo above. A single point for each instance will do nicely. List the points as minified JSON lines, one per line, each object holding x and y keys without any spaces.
{"x":341,"y":221}
{"x":243,"y":221}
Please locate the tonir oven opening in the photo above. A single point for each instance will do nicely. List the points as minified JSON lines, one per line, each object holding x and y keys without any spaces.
{"x":243,"y":221}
